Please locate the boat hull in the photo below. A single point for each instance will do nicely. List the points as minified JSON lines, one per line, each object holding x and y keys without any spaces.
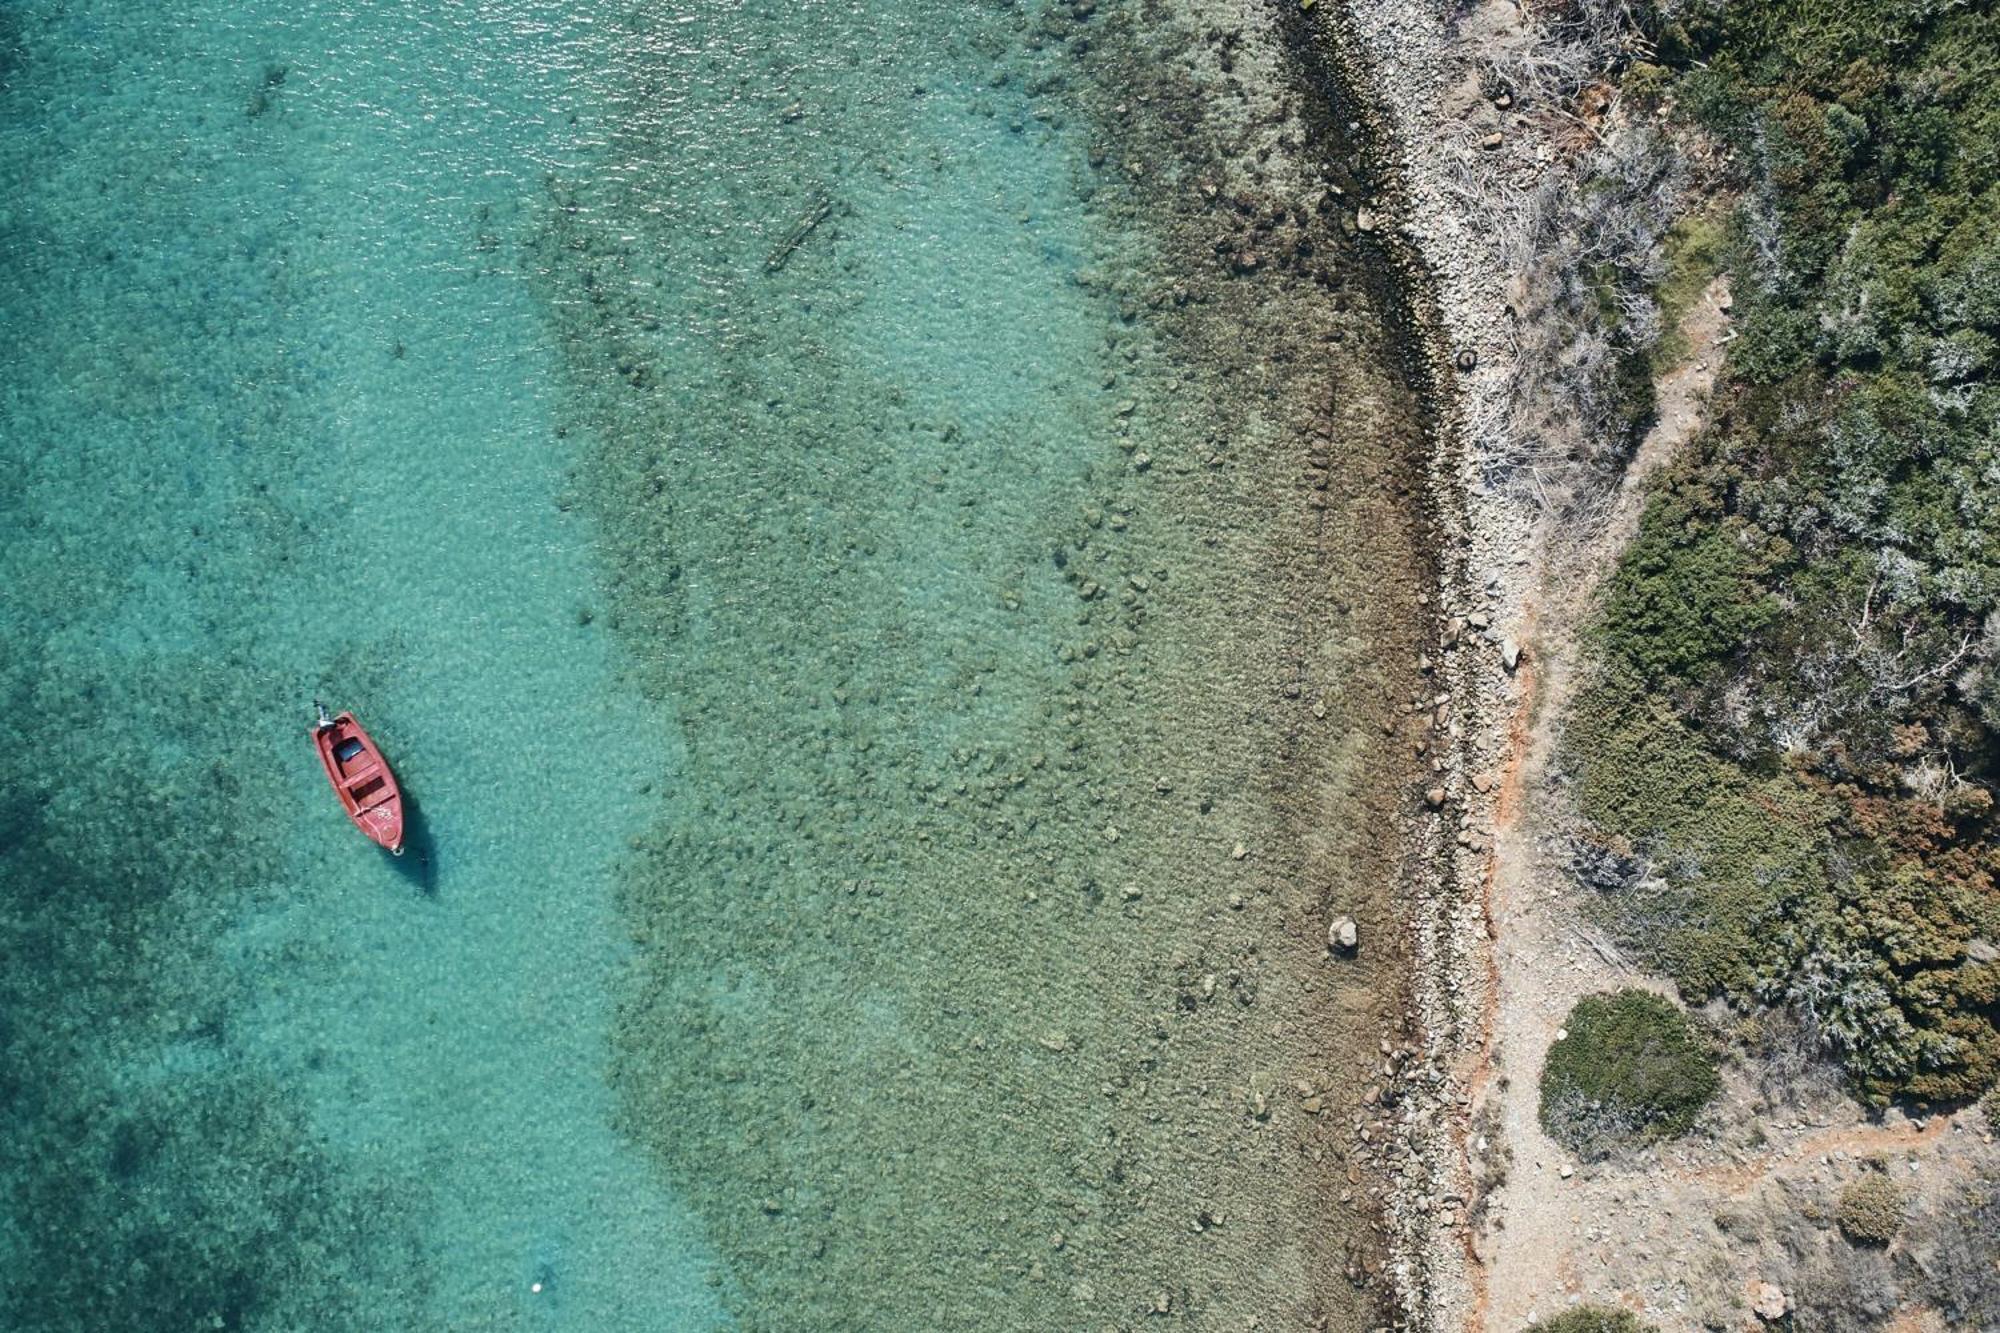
{"x":362,"y":780}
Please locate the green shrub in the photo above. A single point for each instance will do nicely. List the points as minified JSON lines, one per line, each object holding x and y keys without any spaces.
{"x":1687,"y":594}
{"x":1738,"y":850}
{"x":1592,"y":1319}
{"x":1632,"y":1070}
{"x":1870,"y":1211}
{"x":1645,"y":84}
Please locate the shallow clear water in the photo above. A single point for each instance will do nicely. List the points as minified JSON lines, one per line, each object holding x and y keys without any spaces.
{"x":835,"y":647}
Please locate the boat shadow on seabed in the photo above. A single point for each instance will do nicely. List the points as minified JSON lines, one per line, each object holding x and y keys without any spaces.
{"x":418,"y":863}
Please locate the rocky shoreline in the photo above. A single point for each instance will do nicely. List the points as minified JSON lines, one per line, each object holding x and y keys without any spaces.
{"x":1409,"y":67}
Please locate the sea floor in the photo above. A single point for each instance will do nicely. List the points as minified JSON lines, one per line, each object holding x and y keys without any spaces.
{"x":880,"y":541}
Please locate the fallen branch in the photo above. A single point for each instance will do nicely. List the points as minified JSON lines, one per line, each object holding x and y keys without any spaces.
{"x":822,"y":209}
{"x":1964,"y":647}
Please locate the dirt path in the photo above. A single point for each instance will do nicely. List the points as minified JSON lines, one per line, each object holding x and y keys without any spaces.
{"x":1544,"y":957}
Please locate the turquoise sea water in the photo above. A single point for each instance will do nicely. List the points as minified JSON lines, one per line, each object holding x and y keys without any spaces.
{"x":865,"y":699}
{"x":278,"y":427}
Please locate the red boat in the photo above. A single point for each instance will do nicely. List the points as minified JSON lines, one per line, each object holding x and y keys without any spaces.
{"x":361,"y":778}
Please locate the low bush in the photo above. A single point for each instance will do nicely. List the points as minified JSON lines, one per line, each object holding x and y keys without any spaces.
{"x":1842,"y":1290}
{"x":1592,"y":1319}
{"x":1870,"y":1211}
{"x":1955,"y":1245}
{"x":1632,"y":1070}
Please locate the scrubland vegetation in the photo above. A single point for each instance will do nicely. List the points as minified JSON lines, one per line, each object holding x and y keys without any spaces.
{"x":1787,"y":754}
